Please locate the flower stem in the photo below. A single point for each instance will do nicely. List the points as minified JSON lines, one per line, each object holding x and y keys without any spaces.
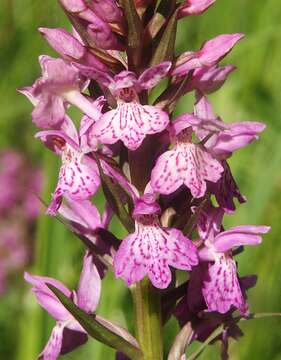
{"x":148,"y":322}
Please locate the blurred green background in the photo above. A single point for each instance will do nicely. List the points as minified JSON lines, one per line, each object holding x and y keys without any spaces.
{"x":253,"y":92}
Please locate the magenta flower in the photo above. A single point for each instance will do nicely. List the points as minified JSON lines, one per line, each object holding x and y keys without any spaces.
{"x":210,"y":79}
{"x":187,"y":163}
{"x":98,"y":29}
{"x":70,"y":48}
{"x":194,"y":7}
{"x":130,"y":121}
{"x":79,"y":176}
{"x":232,"y":137}
{"x":221,"y":288}
{"x":67,"y":333}
{"x":151,"y":249}
{"x":221,"y":143}
{"x":108,"y":10}
{"x":239,"y":134}
{"x":209,"y":55}
{"x":60,"y":84}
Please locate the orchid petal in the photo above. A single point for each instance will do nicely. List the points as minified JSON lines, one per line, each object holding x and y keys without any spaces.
{"x":209,"y":55}
{"x":226,"y":190}
{"x":71,"y":339}
{"x":194,"y":7}
{"x":208,"y":80}
{"x":130,"y":122}
{"x":89,"y":288}
{"x":237,"y":136}
{"x":54,"y":344}
{"x":78,"y":177}
{"x":64,"y":43}
{"x":150,"y":250}
{"x":221,"y":288}
{"x":46,"y":298}
{"x":49,"y":111}
{"x":239,"y":235}
{"x":153,"y":75}
{"x":187,"y":164}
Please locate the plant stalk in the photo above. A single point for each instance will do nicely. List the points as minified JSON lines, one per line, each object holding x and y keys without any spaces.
{"x":148,"y":320}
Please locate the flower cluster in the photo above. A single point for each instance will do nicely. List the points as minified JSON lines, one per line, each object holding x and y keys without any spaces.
{"x":19,"y":206}
{"x":160,"y":175}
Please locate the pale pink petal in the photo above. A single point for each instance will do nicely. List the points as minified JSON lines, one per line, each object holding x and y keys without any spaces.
{"x":46,"y":297}
{"x":49,"y":112}
{"x":239,"y":235}
{"x":92,"y":72}
{"x":78,"y":178}
{"x":108,"y":10}
{"x":55,"y":140}
{"x":201,"y":166}
{"x":39,"y":282}
{"x":130,"y":262}
{"x":150,"y":251}
{"x":130,"y":122}
{"x":146,"y":204}
{"x":154,"y":120}
{"x":182,"y":252}
{"x":64,"y":43}
{"x":153,"y":75}
{"x":209,"y":55}
{"x":210,"y":79}
{"x":187,"y":164}
{"x":54,"y":344}
{"x":167,"y":175}
{"x":125,"y":79}
{"x":221,"y":288}
{"x":82,"y":212}
{"x":194,"y":7}
{"x":237,"y":136}
{"x":89,"y":287}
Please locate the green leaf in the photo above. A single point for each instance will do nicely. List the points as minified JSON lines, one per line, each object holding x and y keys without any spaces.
{"x":95,"y":329}
{"x":166,"y":45}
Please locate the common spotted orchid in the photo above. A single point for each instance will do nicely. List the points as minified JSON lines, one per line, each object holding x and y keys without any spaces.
{"x":79,"y":176}
{"x":131,"y":121}
{"x":187,"y":163}
{"x":152,"y":248}
{"x":221,"y":288}
{"x":59,"y":85}
{"x":166,"y":179}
